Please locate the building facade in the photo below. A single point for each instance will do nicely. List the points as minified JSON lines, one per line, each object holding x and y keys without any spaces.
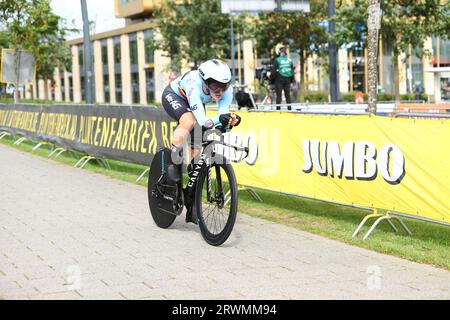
{"x":127,"y":70}
{"x":124,"y":68}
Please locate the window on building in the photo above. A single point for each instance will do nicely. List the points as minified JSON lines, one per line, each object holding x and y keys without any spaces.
{"x":81,"y":57}
{"x":52,"y":90}
{"x":150,"y":85}
{"x":70,"y":88}
{"x":148,"y":46}
{"x":133,"y":49}
{"x":62,"y":88}
{"x":117,"y":54}
{"x":444,"y":54}
{"x":415,"y":75}
{"x":118,"y":80}
{"x":135,"y":87}
{"x":106,"y":89}
{"x":358,"y":66}
{"x":441,"y":52}
{"x":83,"y":91}
{"x":104,"y":52}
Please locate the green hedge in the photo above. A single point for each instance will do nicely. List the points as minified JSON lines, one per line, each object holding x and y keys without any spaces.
{"x":413,"y":96}
{"x":322,"y":96}
{"x":316,"y":96}
{"x":350,"y":97}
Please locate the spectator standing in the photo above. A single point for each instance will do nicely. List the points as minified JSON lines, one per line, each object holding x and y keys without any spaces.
{"x":283,"y":71}
{"x":359,"y":97}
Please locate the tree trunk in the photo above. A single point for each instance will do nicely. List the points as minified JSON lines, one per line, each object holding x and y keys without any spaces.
{"x":396,"y":79}
{"x":16,"y":94}
{"x":372,"y":55}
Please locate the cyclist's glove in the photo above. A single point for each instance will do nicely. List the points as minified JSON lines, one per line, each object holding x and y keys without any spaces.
{"x":225,"y":119}
{"x":238,"y":120}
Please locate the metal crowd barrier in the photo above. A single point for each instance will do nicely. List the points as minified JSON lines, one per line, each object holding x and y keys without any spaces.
{"x":384,"y":108}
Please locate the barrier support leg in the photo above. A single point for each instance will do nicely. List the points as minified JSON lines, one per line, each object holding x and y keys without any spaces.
{"x":142,"y":174}
{"x":251,"y":191}
{"x":380,"y":217}
{"x":372,"y":215}
{"x":39,"y":145}
{"x":4,"y":134}
{"x":59,"y":150}
{"x":83,"y":160}
{"x":241,"y":188}
{"x":88,"y":158}
{"x":78,"y":162}
{"x":104,"y":163}
{"x":375,"y":225}
{"x":20,"y":140}
{"x":402,"y":224}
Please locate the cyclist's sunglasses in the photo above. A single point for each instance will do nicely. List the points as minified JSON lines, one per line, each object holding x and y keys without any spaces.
{"x":217,"y":88}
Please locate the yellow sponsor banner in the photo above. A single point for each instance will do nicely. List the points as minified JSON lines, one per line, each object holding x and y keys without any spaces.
{"x":379,"y":162}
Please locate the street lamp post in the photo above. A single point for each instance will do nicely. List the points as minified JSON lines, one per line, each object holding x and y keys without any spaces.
{"x":88,"y":70}
{"x":232,"y":44}
{"x":279,"y":8}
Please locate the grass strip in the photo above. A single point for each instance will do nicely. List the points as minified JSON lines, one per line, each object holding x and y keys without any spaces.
{"x":428,"y":244}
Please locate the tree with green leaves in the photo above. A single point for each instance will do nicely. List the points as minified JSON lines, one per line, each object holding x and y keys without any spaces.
{"x":301,"y":31}
{"x":403,"y":23}
{"x":4,"y":39}
{"x":51,"y":51}
{"x":31,"y":25}
{"x":195,"y":30}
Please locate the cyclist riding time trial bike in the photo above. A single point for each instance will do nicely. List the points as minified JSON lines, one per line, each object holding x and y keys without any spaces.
{"x":211,"y":189}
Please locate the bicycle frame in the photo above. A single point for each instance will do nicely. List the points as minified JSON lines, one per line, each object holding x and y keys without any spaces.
{"x":205,"y":161}
{"x":166,"y":203}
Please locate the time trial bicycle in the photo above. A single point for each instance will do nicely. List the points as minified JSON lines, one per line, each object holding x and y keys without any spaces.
{"x":210,"y":193}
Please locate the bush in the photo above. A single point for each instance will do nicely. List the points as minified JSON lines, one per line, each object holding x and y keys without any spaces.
{"x":413,"y":96}
{"x":6,"y":98}
{"x":316,"y":96}
{"x":424,"y":97}
{"x":349,"y":97}
{"x":385,"y":97}
{"x":407,"y":97}
{"x":322,"y":96}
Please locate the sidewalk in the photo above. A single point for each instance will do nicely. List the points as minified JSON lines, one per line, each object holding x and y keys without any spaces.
{"x":67,"y":233}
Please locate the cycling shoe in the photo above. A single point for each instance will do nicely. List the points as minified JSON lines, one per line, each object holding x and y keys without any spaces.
{"x":190,"y":215}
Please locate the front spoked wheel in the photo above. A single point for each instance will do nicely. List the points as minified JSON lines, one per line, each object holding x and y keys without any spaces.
{"x":216,"y":202}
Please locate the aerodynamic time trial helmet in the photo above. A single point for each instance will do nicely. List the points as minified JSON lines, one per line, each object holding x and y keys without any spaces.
{"x":216,"y":74}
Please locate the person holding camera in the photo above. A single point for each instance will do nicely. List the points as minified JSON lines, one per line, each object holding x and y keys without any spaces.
{"x":283,"y":73}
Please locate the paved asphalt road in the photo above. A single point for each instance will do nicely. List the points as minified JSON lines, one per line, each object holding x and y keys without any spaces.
{"x":67,"y":233}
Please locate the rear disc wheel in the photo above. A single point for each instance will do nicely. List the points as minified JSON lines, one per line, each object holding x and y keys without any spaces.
{"x":158,"y":205}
